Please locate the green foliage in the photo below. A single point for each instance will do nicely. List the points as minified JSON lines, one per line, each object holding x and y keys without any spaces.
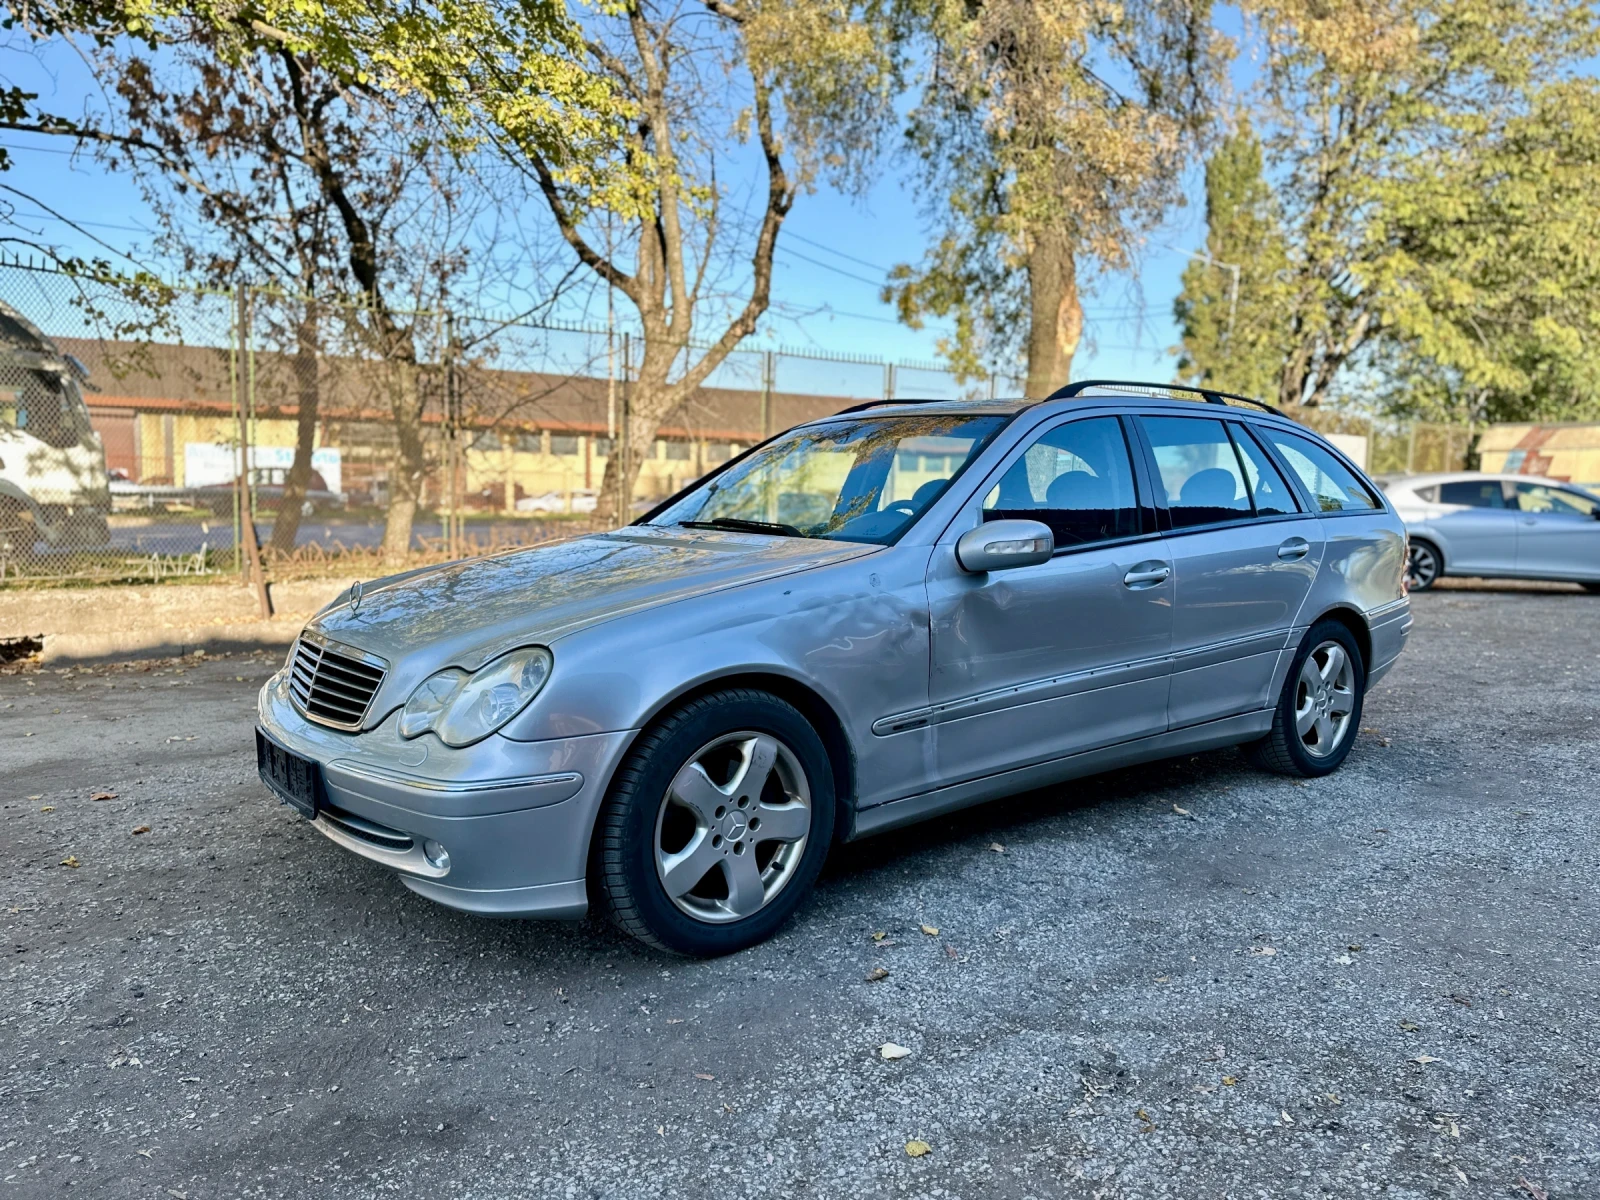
{"x":1230,"y":312}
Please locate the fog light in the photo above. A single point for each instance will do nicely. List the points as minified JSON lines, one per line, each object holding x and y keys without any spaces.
{"x":438,"y":858}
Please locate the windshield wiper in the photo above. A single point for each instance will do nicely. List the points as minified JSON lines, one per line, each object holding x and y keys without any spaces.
{"x":741,"y":525}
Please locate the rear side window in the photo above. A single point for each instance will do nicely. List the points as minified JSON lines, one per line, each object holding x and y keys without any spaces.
{"x":1332,"y":485}
{"x":1272,"y":495}
{"x":1474,"y":493}
{"x":1077,"y":478}
{"x":1200,"y":470}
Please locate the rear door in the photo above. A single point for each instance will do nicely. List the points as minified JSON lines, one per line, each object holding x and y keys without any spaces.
{"x":1477,"y":527}
{"x":1558,"y":533}
{"x":1244,"y":554}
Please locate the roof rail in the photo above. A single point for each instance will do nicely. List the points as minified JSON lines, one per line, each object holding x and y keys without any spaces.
{"x":1157,"y":390}
{"x":854,"y":408}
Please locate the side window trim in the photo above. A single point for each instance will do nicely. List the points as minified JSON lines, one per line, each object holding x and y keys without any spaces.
{"x":1302,"y":494}
{"x":1144,"y":491}
{"x":1238,"y":430}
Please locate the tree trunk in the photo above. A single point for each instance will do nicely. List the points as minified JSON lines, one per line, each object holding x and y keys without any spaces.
{"x":627,"y":458}
{"x":286,"y":525}
{"x":406,"y":477}
{"x":1056,"y":316}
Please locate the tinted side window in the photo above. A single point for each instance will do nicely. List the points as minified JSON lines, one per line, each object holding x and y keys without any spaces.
{"x":1077,"y":479}
{"x":1475,"y":493}
{"x":1540,"y":498}
{"x":1199,"y":470}
{"x":1272,"y":495}
{"x":1332,"y":485}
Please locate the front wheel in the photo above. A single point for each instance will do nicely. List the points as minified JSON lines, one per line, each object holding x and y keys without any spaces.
{"x":716,"y":826}
{"x":1319,"y":710}
{"x":1591,"y":586}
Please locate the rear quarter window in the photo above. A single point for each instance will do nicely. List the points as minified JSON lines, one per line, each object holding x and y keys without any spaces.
{"x":1334,"y":487}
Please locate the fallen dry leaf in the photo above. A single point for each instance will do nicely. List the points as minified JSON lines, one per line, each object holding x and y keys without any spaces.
{"x":1423,"y":1060}
{"x":1182,"y":812}
{"x":879,"y":936}
{"x":889,"y":1051}
{"x":950,"y":951}
{"x":1228,"y":1081}
{"x":138,"y":829}
{"x":916,"y":1148}
{"x":1263,"y":951}
{"x":70,"y":860}
{"x":877,"y":973}
{"x":1533,"y":1189}
{"x":1410,"y":1026}
{"x":103,"y":796}
{"x":703,"y":1075}
{"x":48,"y":808}
{"x":930,"y":930}
{"x":1344,"y":960}
{"x":1355,"y":947}
{"x":38,"y":797}
{"x":997,"y":847}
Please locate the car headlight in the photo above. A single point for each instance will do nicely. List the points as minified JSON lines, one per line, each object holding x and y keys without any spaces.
{"x":463,"y":708}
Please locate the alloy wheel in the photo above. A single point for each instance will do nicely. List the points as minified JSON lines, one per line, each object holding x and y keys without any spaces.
{"x":1422,"y":567}
{"x":1324,"y":699}
{"x":732,"y":828}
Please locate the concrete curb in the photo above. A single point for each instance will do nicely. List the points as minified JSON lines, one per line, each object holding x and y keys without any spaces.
{"x":167,"y":643}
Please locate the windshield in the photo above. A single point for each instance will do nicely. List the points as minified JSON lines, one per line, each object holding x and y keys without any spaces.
{"x":43,"y":405}
{"x":862,"y":479}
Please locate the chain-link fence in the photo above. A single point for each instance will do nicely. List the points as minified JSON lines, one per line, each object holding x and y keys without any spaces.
{"x":149,"y":431}
{"x":142,"y":424}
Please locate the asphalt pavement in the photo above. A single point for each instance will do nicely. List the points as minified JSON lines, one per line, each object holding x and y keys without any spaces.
{"x":1180,"y":980}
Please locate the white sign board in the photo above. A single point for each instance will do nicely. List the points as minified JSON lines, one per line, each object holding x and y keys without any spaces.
{"x":1352,"y":445}
{"x":206,"y":464}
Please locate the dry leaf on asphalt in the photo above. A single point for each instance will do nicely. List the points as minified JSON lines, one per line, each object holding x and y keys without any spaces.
{"x":1182,"y":812}
{"x":1263,"y":951}
{"x":1344,"y":960}
{"x":916,"y":1148}
{"x":1228,"y":1081}
{"x":38,"y":797}
{"x":890,"y":1051}
{"x":70,"y":860}
{"x":1410,"y":1026}
{"x":703,"y":1075}
{"x":1423,"y":1060}
{"x":950,"y":951}
{"x":877,"y":973}
{"x":997,"y":847}
{"x":48,"y":808}
{"x":1533,"y":1189}
{"x":138,"y":829}
{"x":930,"y":930}
{"x":879,"y":936}
{"x":103,"y":796}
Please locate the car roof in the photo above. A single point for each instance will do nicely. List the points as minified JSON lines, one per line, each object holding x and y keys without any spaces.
{"x":1101,"y":392}
{"x":1412,"y":482}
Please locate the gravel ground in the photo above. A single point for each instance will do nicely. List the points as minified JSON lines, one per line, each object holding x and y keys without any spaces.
{"x":1381,"y":983}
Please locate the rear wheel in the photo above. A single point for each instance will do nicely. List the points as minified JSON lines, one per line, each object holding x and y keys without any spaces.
{"x":717,"y":825}
{"x":1319,"y":710}
{"x":1590,"y":585}
{"x":1423,"y":566}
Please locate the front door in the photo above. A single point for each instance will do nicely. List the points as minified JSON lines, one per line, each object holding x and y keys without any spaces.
{"x":1038,"y":662}
{"x":1244,"y":553}
{"x":1558,"y":535}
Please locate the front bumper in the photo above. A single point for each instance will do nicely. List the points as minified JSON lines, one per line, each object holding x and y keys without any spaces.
{"x":513,"y":817}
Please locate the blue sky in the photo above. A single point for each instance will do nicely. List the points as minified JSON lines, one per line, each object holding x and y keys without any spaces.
{"x":833,"y":252}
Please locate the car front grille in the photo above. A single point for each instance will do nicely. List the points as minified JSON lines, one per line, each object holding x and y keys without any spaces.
{"x":333,"y":685}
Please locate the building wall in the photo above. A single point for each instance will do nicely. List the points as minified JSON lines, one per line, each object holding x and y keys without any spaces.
{"x":1560,"y":451}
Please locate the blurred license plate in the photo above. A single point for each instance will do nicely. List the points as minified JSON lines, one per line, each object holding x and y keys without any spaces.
{"x":285,"y":772}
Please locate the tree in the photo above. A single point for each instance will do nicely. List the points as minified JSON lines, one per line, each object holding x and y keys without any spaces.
{"x":300,"y":131}
{"x":1051,"y":137}
{"x":1229,"y":312}
{"x":810,"y":80}
{"x":1386,"y":128}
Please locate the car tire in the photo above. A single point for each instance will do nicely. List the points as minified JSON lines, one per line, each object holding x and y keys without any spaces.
{"x":679,"y":858}
{"x":1424,"y":565}
{"x":1590,"y":586}
{"x":1319,"y":710}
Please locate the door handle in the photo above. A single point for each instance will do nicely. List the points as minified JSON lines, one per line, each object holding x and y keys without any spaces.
{"x":1295,"y":547}
{"x":1147,"y":575}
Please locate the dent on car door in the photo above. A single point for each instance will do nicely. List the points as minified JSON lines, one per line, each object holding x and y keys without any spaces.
{"x":1558,"y":533}
{"x":1038,"y":662}
{"x":1245,"y":552}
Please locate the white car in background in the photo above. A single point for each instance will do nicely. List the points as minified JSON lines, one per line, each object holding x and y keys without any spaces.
{"x":1498,"y":527}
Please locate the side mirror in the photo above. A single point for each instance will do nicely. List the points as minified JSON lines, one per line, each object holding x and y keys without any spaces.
{"x":999,"y":545}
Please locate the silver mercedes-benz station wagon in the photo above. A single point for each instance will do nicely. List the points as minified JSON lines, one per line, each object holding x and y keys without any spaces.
{"x":866,"y":621}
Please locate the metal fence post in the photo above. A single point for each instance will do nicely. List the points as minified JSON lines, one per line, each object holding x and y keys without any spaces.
{"x":235,"y":365}
{"x":621,"y":446}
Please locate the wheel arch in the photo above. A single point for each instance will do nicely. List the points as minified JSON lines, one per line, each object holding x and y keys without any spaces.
{"x":1356,"y":622}
{"x":811,"y":705}
{"x":1433,"y":543}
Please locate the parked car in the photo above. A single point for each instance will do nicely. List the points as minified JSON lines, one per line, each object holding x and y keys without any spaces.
{"x":865,"y":622}
{"x":269,"y":484}
{"x":1499,"y":527}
